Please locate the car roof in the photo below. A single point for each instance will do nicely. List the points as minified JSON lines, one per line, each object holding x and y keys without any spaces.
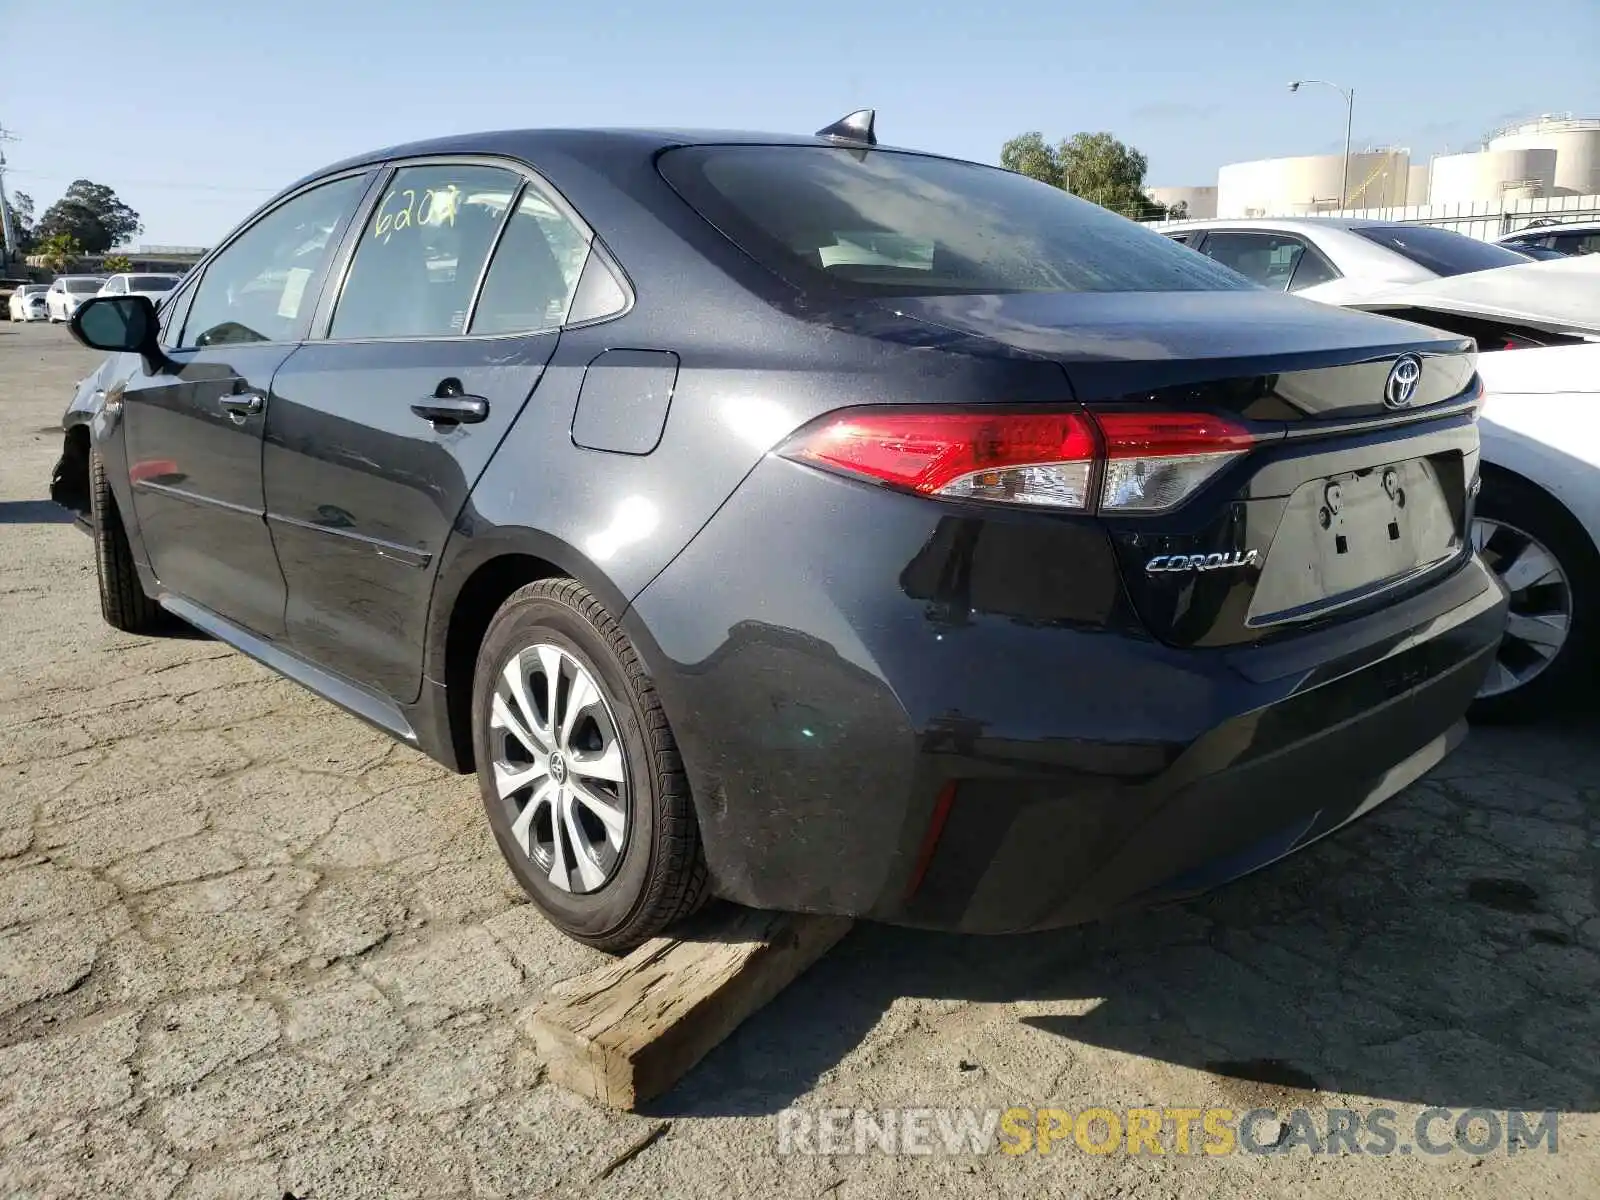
{"x":1553,"y":227}
{"x":1283,"y":223}
{"x":529,"y":145}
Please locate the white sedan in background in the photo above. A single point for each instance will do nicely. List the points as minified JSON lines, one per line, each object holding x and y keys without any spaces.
{"x":67,"y":292}
{"x":27,"y":302}
{"x":153,"y":287}
{"x":1538,"y":517}
{"x":1339,"y":260}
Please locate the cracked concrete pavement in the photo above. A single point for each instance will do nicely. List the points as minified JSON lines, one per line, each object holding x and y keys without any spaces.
{"x":251,"y":948}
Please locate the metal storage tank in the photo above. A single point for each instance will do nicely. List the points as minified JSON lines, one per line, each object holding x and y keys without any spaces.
{"x":1202,"y":201}
{"x":1417,"y":185}
{"x":1489,"y":174}
{"x":1310,"y":184}
{"x":1576,"y":142}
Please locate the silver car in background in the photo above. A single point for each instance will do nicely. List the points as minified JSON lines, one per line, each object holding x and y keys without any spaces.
{"x":1339,"y":260}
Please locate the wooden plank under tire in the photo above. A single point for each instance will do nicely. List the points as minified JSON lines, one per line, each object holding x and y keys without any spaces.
{"x":628,"y":1031}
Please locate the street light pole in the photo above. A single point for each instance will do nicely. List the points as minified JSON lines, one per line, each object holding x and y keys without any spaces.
{"x":1349,"y":117}
{"x":8,"y":229}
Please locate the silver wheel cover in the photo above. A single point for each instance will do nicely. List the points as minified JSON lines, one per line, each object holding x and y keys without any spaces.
{"x":560,"y":767}
{"x":1541,"y":604}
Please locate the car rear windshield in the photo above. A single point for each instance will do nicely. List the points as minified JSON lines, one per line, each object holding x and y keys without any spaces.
{"x":1441,"y":251}
{"x":882,"y":222}
{"x":81,"y":286}
{"x":150,"y":283}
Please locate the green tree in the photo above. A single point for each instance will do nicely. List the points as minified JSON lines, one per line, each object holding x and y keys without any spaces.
{"x":1029,"y":154}
{"x":1095,"y":166}
{"x":21,"y":206}
{"x":91,"y":213}
{"x":59,"y":251}
{"x":117,"y":263}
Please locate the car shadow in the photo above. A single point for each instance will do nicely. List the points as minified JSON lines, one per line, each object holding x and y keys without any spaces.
{"x":1431,"y":954}
{"x":33,"y":512}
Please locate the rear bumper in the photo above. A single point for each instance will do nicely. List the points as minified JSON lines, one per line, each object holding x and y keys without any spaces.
{"x":954,"y":720}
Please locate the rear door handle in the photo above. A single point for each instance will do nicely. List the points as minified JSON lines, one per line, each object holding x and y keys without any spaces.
{"x":245,"y":404}
{"x":452,"y":410}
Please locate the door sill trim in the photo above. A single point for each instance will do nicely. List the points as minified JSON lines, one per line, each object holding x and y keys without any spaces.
{"x":352,"y":697}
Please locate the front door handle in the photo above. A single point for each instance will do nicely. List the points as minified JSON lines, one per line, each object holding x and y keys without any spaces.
{"x":452,"y":410}
{"x":245,"y":404}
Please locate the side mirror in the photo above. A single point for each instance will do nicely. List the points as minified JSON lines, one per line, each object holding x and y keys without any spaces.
{"x":124,"y":324}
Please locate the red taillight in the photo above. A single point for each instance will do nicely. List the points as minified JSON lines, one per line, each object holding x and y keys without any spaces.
{"x":1119,"y":462}
{"x":1020,"y":458}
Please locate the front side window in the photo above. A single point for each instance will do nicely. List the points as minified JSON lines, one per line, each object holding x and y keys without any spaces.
{"x":1442,"y":251}
{"x":424,"y":246}
{"x":260,"y":285}
{"x":1268,"y":259}
{"x":884,"y":223}
{"x":534,"y":272}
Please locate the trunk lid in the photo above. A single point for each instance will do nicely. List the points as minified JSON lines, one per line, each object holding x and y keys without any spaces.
{"x":1326,"y":361}
{"x":1345,"y":503}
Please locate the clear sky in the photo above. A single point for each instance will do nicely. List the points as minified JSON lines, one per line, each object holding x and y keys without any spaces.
{"x":195,"y":112}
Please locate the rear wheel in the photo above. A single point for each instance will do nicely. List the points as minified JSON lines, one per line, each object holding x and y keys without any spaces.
{"x":123,"y":602}
{"x":579,"y":771}
{"x":1551,"y":572}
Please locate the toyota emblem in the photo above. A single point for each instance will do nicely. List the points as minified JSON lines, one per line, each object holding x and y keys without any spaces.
{"x":1401,"y":386}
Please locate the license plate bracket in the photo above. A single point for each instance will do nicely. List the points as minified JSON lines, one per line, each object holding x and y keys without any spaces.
{"x":1349,"y":536}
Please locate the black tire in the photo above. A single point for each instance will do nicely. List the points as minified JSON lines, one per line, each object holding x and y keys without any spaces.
{"x":660,"y":875}
{"x":123,"y":602}
{"x":1507,"y":500}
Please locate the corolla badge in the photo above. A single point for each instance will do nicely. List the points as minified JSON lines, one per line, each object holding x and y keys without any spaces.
{"x":1221,"y":561}
{"x":1401,"y":386}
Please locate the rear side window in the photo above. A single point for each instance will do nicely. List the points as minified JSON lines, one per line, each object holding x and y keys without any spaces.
{"x":422,"y":251}
{"x":1312,"y":270}
{"x":882,"y":222}
{"x":1268,"y":259}
{"x":1442,"y":251}
{"x":534,"y":272}
{"x":1576,"y":243}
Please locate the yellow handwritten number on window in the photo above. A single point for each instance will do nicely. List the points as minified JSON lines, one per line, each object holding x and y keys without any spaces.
{"x":436,"y":206}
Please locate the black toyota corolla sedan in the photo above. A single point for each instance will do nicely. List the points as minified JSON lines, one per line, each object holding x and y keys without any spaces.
{"x":804,"y":522}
